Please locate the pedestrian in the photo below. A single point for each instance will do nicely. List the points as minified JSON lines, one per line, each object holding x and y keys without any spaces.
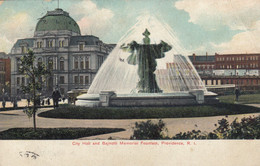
{"x":48,"y":101}
{"x":43,"y":102}
{"x":63,"y":99}
{"x":28,"y":101}
{"x":56,"y":97}
{"x":237,"y":93}
{"x":15,"y":102}
{"x":3,"y":103}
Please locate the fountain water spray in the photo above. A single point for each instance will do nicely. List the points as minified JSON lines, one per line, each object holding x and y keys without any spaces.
{"x":174,"y":72}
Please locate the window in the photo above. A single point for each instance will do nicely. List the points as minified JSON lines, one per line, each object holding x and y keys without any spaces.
{"x":50,"y":43}
{"x":61,"y":43}
{"x":39,"y":61}
{"x":76,"y":63}
{"x":23,"y":81}
{"x":76,"y":79}
{"x":2,"y":66}
{"x":86,"y":79}
{"x":50,"y":63}
{"x":2,"y":77}
{"x":81,"y":63}
{"x":81,"y":79}
{"x":18,"y":62}
{"x":24,"y":49}
{"x":39,"y":44}
{"x":61,"y":63}
{"x":87,"y":63}
{"x":81,"y":47}
{"x":62,"y":81}
{"x":18,"y":80}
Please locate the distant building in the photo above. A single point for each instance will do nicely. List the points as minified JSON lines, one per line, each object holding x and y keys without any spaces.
{"x":242,"y":70}
{"x":5,"y":74}
{"x":73,"y":58}
{"x":205,"y":65}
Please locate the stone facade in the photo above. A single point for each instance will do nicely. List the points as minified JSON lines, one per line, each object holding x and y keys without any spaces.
{"x":74,"y":59}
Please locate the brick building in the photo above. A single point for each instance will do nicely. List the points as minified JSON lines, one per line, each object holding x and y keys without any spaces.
{"x":5,"y":74}
{"x":241,"y":70}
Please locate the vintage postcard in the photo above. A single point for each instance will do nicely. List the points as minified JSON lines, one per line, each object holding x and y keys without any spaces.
{"x":129,"y":82}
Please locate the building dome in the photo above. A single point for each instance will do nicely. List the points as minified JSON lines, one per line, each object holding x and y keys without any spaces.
{"x":57,"y":20}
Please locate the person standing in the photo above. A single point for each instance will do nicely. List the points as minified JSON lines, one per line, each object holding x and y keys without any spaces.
{"x":15,"y":102}
{"x":237,"y":93}
{"x":48,"y":101}
{"x":28,"y":101}
{"x":3,"y":103}
{"x":56,"y":96}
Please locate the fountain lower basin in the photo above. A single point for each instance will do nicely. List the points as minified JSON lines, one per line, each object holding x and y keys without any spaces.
{"x":111,"y":99}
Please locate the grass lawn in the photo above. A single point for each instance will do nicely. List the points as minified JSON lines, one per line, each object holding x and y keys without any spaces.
{"x":243,"y":99}
{"x":54,"y":133}
{"x":74,"y":112}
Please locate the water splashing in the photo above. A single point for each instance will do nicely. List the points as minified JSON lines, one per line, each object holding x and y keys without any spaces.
{"x":174,"y":72}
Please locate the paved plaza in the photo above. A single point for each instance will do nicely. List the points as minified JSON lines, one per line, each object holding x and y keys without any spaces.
{"x":16,"y":118}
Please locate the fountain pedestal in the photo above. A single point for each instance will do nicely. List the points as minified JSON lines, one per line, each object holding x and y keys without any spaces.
{"x":199,"y":94}
{"x":105,"y":97}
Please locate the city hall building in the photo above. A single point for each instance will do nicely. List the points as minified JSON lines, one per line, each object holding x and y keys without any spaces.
{"x":74,"y":59}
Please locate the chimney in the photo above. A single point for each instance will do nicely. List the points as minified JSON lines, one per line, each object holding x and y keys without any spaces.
{"x":194,"y":56}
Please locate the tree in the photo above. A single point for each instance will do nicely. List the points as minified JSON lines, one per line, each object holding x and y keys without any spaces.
{"x":247,"y":128}
{"x":36,"y":73}
{"x":149,"y":130}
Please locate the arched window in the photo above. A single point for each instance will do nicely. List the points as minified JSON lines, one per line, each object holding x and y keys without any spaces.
{"x":61,"y":63}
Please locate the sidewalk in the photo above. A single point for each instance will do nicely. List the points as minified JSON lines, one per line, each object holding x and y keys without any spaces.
{"x":16,"y":118}
{"x":24,"y":103}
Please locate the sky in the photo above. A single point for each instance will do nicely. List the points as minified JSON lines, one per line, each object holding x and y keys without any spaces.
{"x":212,"y":26}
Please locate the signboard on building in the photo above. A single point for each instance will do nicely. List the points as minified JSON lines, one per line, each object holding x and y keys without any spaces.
{"x":218,"y":72}
{"x":253,"y":72}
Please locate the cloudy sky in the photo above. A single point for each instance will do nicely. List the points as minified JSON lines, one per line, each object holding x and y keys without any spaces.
{"x":222,"y":26}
